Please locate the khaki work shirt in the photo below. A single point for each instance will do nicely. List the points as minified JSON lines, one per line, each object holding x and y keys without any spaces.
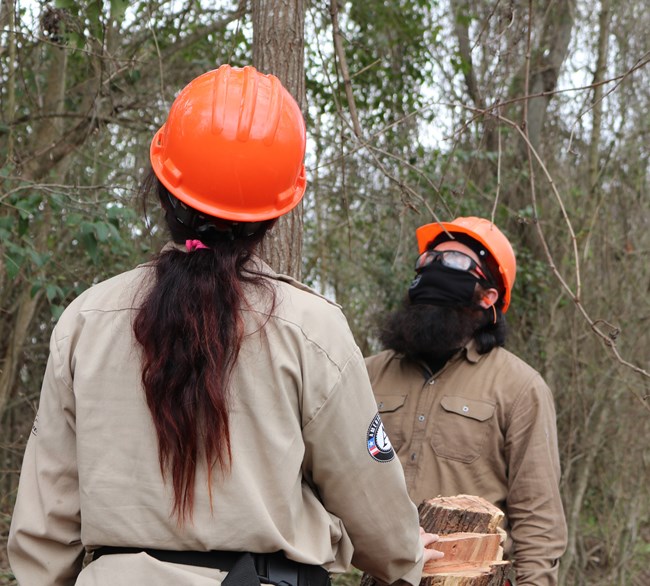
{"x":302,"y":478}
{"x":483,"y":425}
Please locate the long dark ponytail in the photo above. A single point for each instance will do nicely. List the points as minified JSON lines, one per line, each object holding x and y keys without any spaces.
{"x":190,"y":328}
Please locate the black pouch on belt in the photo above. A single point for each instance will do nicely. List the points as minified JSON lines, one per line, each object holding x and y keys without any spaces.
{"x":244,"y":568}
{"x":251,"y":569}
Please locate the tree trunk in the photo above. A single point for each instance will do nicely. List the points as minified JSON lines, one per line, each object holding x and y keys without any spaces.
{"x":582,"y":476}
{"x":25,"y":311}
{"x":546,"y":62}
{"x":278,"y":48}
{"x":460,"y":10}
{"x":48,"y":134}
{"x":597,"y":101}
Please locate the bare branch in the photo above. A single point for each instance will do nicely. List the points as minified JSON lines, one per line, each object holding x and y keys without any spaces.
{"x":343,"y":64}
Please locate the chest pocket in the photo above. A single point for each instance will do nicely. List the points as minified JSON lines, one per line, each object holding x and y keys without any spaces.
{"x":392,"y":413}
{"x":461,"y":427}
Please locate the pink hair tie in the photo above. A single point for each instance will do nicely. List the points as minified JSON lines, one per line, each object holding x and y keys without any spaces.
{"x":194,"y":245}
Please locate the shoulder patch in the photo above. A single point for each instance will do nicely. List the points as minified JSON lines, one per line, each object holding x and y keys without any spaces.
{"x":379,"y":446}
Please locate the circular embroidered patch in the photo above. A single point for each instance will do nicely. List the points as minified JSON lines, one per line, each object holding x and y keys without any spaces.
{"x":379,"y":446}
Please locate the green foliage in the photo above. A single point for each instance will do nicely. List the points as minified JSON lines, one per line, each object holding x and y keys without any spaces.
{"x":351,"y":578}
{"x":389,"y":44}
{"x":99,"y":238}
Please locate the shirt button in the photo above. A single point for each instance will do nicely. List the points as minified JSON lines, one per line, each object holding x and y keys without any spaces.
{"x":380,"y":405}
{"x":432,"y":381}
{"x":465,"y":409}
{"x":413,"y":456}
{"x":420,"y":417}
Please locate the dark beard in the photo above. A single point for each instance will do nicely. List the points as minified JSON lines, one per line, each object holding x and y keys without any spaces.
{"x":429,"y":332}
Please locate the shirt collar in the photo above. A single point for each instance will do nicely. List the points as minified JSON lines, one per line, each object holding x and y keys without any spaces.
{"x":467,"y":352}
{"x":255,"y":261}
{"x":470,"y":352}
{"x":258,"y":265}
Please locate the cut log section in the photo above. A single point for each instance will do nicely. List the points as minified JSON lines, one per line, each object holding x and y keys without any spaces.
{"x":459,"y":514}
{"x":470,"y":539}
{"x":493,"y":575}
{"x":470,"y":575}
{"x":460,"y":548}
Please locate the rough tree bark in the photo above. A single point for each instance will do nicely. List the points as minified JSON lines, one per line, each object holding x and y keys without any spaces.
{"x":278,"y":48}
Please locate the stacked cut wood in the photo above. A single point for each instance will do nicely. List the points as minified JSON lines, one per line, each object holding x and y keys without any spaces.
{"x":470,"y":539}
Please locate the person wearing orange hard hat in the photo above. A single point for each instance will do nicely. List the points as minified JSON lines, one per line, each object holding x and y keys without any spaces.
{"x":204,"y":420}
{"x":465,"y":415}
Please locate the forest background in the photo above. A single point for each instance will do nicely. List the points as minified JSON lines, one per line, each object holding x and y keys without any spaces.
{"x":535,"y":113}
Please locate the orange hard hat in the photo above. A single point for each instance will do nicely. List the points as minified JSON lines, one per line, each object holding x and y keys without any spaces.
{"x":486,"y":234}
{"x":233,"y":146}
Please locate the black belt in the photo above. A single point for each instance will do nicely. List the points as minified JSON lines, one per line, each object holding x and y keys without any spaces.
{"x":244,"y":569}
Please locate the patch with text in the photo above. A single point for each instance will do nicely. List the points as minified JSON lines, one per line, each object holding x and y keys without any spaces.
{"x":379,"y":446}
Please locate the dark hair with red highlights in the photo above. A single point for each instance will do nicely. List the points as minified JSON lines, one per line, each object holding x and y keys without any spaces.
{"x":190,"y":327}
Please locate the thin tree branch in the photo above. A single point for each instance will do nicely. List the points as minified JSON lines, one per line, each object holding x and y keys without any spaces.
{"x":343,"y":65}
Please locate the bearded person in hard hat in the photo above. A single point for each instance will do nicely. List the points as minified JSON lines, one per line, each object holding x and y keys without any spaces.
{"x":203,"y":419}
{"x":465,"y":415}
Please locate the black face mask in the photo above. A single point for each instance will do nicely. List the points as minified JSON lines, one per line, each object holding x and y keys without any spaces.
{"x":440,"y":285}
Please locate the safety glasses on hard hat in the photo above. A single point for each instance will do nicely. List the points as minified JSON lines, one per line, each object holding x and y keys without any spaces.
{"x":452,"y":259}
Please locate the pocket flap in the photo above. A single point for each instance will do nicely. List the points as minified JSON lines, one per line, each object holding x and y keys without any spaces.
{"x":479,"y":410}
{"x":389,"y":403}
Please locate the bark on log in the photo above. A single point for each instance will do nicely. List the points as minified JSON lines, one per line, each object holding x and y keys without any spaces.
{"x":459,"y":514}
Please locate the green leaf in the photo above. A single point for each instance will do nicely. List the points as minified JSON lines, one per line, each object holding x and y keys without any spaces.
{"x":57,"y":201}
{"x":57,"y":310}
{"x":74,"y":219}
{"x":86,"y":227}
{"x":101,"y":231}
{"x":76,"y":39}
{"x":93,"y":13}
{"x":13,"y":263}
{"x":89,"y":242}
{"x":39,"y":259}
{"x":53,"y":292}
{"x":118,"y":8}
{"x":79,"y":288}
{"x":115,"y":233}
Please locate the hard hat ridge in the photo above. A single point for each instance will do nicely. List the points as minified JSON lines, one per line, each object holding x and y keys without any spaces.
{"x":248,"y":104}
